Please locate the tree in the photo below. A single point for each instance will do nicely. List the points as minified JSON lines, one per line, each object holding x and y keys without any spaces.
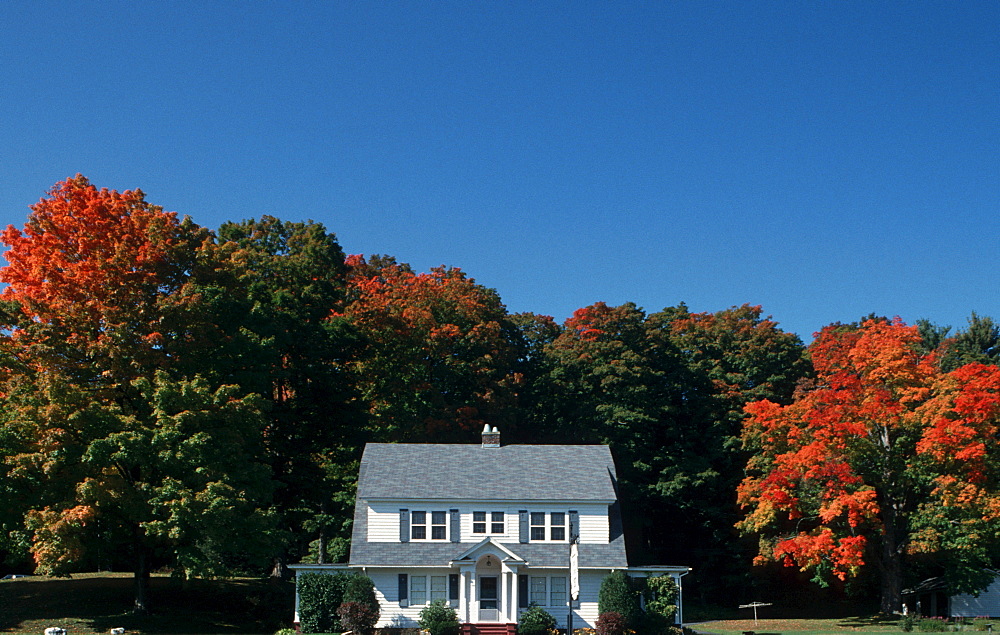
{"x":293,"y":277}
{"x":439,"y":351}
{"x":118,"y":448}
{"x":882,"y":460}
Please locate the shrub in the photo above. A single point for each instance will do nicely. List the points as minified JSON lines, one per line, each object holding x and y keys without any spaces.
{"x":535,"y":621}
{"x":932,"y":625}
{"x":319,"y":597}
{"x":611,"y":623}
{"x":285,"y":631}
{"x":619,"y":595}
{"x":906,"y":624}
{"x":358,"y":617}
{"x":439,"y":618}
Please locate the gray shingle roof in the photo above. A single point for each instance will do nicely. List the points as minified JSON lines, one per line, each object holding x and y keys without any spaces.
{"x":472,"y":472}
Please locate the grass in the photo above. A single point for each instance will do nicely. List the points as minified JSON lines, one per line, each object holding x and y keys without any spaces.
{"x":97,"y":602}
{"x":833,"y":626}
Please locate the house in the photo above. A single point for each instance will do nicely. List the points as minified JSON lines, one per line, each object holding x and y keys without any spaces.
{"x":930,"y":598}
{"x":488,"y":528}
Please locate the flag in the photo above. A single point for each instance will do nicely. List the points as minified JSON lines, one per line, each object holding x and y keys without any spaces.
{"x":574,"y":571}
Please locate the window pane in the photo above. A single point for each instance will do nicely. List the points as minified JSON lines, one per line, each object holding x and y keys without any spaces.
{"x":437,"y":518}
{"x":558,"y":533}
{"x":419,"y":532}
{"x":437,"y":532}
{"x":479,"y":517}
{"x":439,"y":587}
{"x":537,"y":518}
{"x":557,"y":591}
{"x":419,"y":518}
{"x":418,"y":589}
{"x":497,"y":517}
{"x":538,"y":533}
{"x":538,"y":591}
{"x":496,"y":528}
{"x":558,"y":519}
{"x":479,"y":528}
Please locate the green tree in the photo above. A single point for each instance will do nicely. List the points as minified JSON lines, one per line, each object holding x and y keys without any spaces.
{"x":117,"y":447}
{"x":295,"y":353}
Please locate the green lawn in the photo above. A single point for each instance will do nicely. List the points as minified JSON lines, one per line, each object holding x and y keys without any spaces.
{"x":97,"y":602}
{"x":834,"y":626}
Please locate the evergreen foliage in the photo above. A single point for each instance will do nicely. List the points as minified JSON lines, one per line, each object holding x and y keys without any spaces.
{"x":619,"y":595}
{"x":439,"y":619}
{"x":320,"y":595}
{"x":535,"y":621}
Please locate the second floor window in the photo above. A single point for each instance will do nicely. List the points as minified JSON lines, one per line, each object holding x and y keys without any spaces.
{"x":551,"y":526}
{"x":419,"y":522}
{"x":496,"y":523}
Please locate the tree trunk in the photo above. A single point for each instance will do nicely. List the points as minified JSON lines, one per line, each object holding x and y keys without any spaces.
{"x":140,"y":579}
{"x":321,"y":558}
{"x":890,"y":564}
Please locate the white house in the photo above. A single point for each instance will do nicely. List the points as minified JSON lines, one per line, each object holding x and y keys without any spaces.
{"x":488,"y":528}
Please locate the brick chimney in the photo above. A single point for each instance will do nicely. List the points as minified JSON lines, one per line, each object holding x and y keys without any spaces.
{"x":491,"y":437}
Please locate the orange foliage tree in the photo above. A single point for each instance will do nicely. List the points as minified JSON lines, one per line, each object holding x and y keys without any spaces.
{"x":884,"y":459}
{"x":438,"y":351}
{"x":105,"y":444}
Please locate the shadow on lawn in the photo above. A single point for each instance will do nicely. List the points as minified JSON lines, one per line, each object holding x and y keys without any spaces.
{"x":105,"y":602}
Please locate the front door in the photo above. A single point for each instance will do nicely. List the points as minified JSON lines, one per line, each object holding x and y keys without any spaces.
{"x":489,"y":598}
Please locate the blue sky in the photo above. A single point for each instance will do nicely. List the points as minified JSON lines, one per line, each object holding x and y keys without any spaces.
{"x":823,"y":159}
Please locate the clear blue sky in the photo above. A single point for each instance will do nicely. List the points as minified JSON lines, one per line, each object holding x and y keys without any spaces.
{"x":823,"y":159}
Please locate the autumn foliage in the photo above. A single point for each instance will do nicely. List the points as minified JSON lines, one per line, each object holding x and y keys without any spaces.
{"x":870,"y":459}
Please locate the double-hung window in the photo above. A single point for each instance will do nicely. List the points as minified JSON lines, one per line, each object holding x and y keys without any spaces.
{"x":557,"y":526}
{"x":439,"y":587}
{"x":550,"y":527}
{"x":537,"y":593}
{"x":557,"y":591}
{"x":418,"y":589}
{"x":438,"y":525}
{"x":538,"y":525}
{"x":495,"y":525}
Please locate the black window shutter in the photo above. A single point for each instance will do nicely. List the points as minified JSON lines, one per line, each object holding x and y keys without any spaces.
{"x":403,"y":588}
{"x":522,"y":592}
{"x":524,"y":525}
{"x":574,"y":525}
{"x":456,"y":526}
{"x":452,"y":586}
{"x":404,"y":525}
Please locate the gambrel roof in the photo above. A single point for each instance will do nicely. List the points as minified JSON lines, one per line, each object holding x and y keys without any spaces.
{"x":429,"y":471}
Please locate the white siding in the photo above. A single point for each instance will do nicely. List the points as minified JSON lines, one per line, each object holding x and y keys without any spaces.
{"x":387,"y":592}
{"x":383,"y":519}
{"x":986,"y":605}
{"x":586,"y":615}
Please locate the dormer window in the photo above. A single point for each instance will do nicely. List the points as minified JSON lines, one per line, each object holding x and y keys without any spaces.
{"x":438,"y":525}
